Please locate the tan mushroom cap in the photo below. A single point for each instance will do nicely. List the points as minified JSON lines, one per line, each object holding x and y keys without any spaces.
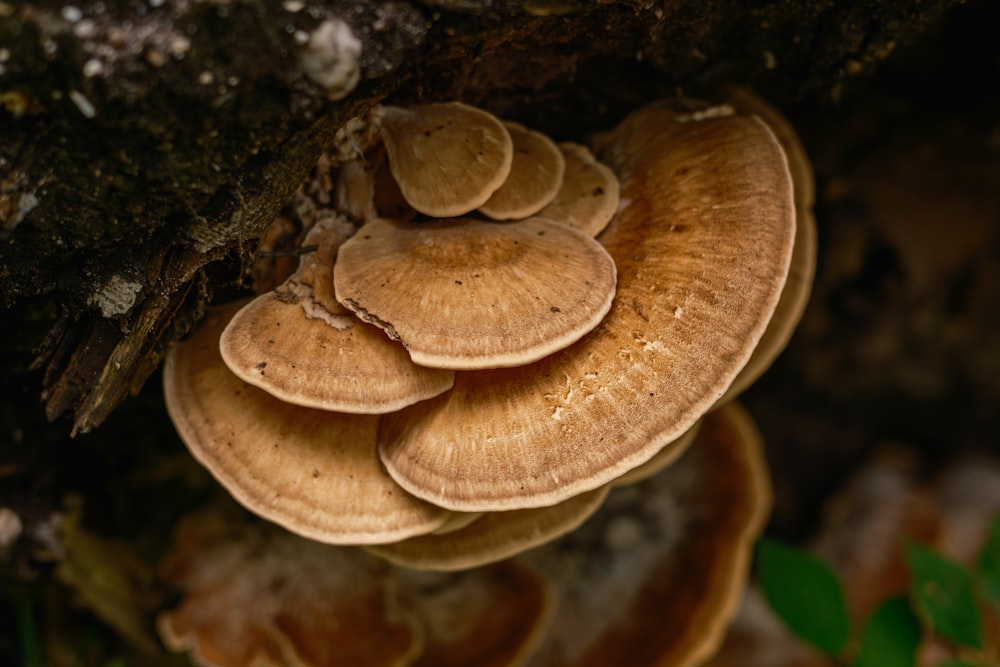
{"x":314,"y":472}
{"x":456,"y":521}
{"x":487,"y":617}
{"x":663,"y":458}
{"x":447,"y":158}
{"x":254,"y":595}
{"x":300,"y":345}
{"x":656,"y":575}
{"x":468,"y":294}
{"x":272,"y":345}
{"x":494,"y":536}
{"x":798,"y":287}
{"x":589,"y":194}
{"x":536,"y":174}
{"x":702,"y":250}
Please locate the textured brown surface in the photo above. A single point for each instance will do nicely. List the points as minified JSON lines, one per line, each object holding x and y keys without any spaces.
{"x":314,"y":472}
{"x":702,"y":249}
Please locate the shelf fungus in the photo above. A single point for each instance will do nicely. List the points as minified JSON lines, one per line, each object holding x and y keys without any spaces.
{"x":651,"y":579}
{"x":494,"y":331}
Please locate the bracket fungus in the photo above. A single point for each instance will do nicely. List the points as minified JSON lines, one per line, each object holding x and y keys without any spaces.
{"x":256,"y":597}
{"x":530,"y":364}
{"x":448,"y":159}
{"x":492,"y":536}
{"x":654,"y":577}
{"x":349,"y":365}
{"x":467,"y":294}
{"x":702,"y":250}
{"x":313,"y":471}
{"x":651,"y":580}
{"x":536,"y":174}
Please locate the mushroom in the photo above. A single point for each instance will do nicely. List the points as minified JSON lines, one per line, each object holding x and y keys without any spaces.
{"x":312,"y":471}
{"x":301,"y":346}
{"x":702,"y":249}
{"x":798,"y":286}
{"x":663,"y":458}
{"x":490,"y":616}
{"x":588,"y":197}
{"x":448,"y":158}
{"x":464,"y":293}
{"x":493,"y":536}
{"x":536,"y":174}
{"x":257,"y":596}
{"x":655,"y":576}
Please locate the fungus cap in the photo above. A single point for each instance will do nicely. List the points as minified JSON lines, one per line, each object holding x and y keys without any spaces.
{"x":536,"y":175}
{"x":493,"y":536}
{"x":256,"y":595}
{"x":447,"y":158}
{"x":301,"y":346}
{"x":663,"y":458}
{"x":491,"y":616}
{"x":802,"y":271}
{"x":702,"y":250}
{"x":314,"y":472}
{"x":467,"y":294}
{"x":589,"y":194}
{"x":672,"y":552}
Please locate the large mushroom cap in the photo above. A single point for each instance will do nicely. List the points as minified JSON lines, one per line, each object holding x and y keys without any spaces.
{"x":702,"y":249}
{"x":795,"y":296}
{"x":493,"y":536}
{"x":448,"y":158}
{"x":464,"y":293}
{"x":314,"y":472}
{"x":653,"y":579}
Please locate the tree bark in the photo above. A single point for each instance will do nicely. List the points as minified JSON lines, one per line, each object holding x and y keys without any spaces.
{"x":144,"y":148}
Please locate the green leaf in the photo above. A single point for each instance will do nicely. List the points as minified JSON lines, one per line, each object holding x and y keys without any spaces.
{"x":805,"y":594}
{"x":955,"y":662}
{"x":891,"y":636}
{"x":942,"y":596}
{"x":989,"y":564}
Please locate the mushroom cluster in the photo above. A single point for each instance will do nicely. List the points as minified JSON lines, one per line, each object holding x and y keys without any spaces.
{"x":651,"y":579}
{"x":503,"y":337}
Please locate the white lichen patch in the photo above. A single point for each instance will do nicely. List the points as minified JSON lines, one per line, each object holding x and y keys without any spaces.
{"x":330,"y":58}
{"x":115,"y":297}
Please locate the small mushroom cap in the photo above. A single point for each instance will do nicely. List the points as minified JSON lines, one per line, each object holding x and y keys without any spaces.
{"x":589,"y":194}
{"x":448,"y":158}
{"x":798,"y":287}
{"x":314,"y":472}
{"x":702,"y":249}
{"x":656,"y":575}
{"x":271,"y":344}
{"x":301,"y":346}
{"x":487,"y":617}
{"x":494,"y":536}
{"x":536,"y":174}
{"x":256,"y":595}
{"x":466,"y":294}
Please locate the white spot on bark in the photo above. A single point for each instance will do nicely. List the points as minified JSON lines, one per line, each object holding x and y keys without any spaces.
{"x":83,"y":104}
{"x":115,"y":297}
{"x":331,"y":58}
